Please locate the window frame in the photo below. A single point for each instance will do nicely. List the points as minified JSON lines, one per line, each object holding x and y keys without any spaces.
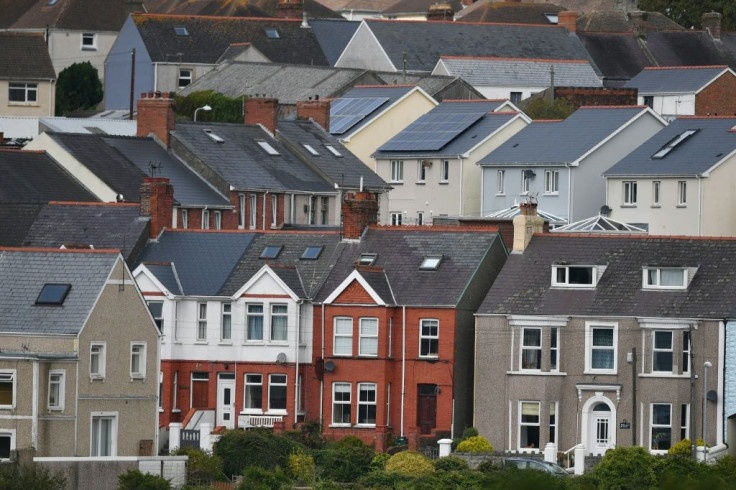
{"x":658,"y":278}
{"x":421,"y":172}
{"x":113,"y":416}
{"x":684,"y":421}
{"x":522,"y":424}
{"x":663,"y":351}
{"x":656,"y":196}
{"x":397,"y":218}
{"x":202,"y":326}
{"x":241,"y":211}
{"x":336,"y":335}
{"x":445,"y":171}
{"x":10,"y":434}
{"x":653,"y":426}
{"x":101,"y":372}
{"x":89,"y":46}
{"x":367,"y":403}
{"x":60,"y":387}
{"x":158,"y":320}
{"x":682,"y":193}
{"x":524,"y":347}
{"x":590,"y":327}
{"x":554,"y":422}
{"x":184,"y":218}
{"x":247,"y":385}
{"x":185,"y":77}
{"x":280,"y":315}
{"x":567,"y":284}
{"x":254,"y":314}
{"x":218,"y":219}
{"x":500,"y":182}
{"x":274,"y":210}
{"x":554,"y":348}
{"x":432,"y":341}
{"x":552,"y":182}
{"x":342,"y":402}
{"x":686,"y":347}
{"x":277,"y":385}
{"x":630,"y":190}
{"x":226,"y":315}
{"x":253,"y":221}
{"x":397,"y":171}
{"x":27,"y":89}
{"x":138,"y":349}
{"x":11,"y":377}
{"x":205,"y":219}
{"x":525,"y":183}
{"x":363,"y":336}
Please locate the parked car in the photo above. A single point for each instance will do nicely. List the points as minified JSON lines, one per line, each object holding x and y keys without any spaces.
{"x":533,"y":464}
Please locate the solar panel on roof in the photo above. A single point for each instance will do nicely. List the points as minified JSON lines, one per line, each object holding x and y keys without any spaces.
{"x":431,"y":132}
{"x":347,"y":112}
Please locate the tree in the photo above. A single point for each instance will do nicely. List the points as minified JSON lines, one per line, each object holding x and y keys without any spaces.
{"x":224,"y":109}
{"x":544,"y":109}
{"x":77,"y":87}
{"x":688,"y":13}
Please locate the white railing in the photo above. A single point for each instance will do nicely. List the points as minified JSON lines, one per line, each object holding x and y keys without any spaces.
{"x":250,"y":421}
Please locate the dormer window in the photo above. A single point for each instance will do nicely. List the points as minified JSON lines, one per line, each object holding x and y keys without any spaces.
{"x":271,"y":252}
{"x":181,"y":31}
{"x":267,"y":148}
{"x":431,"y":263}
{"x":367,"y":259}
{"x":665,"y":277}
{"x":574,"y":276}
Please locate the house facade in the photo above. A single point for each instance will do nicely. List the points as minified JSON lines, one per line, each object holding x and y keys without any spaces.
{"x":28,"y":84}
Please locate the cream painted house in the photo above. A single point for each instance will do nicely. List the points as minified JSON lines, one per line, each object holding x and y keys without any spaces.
{"x":27,"y":81}
{"x":679,"y":182}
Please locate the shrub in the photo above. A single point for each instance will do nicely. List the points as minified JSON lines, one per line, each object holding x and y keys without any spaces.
{"x":135,"y":480}
{"x":78,"y":86}
{"x":678,"y":472}
{"x":475,"y":444}
{"x":487,"y":466}
{"x":21,"y":477}
{"x":350,"y":441}
{"x":469,"y":432}
{"x":381,"y":479}
{"x":451,"y":463}
{"x":625,"y":467}
{"x":257,"y":447}
{"x":203,"y":466}
{"x":379,"y":461}
{"x":681,"y":448}
{"x":725,"y":467}
{"x":301,"y":467}
{"x":308,"y":434}
{"x":700,"y":443}
{"x":257,"y":478}
{"x":224,"y":109}
{"x":344,"y":463}
{"x":409,"y":463}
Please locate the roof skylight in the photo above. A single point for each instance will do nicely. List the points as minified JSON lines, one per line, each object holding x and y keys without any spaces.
{"x":272,"y":33}
{"x":213,"y":136}
{"x":431,"y":263}
{"x":271,"y":251}
{"x":312,"y":253}
{"x":674,"y":143}
{"x":53,"y":294}
{"x":367,"y":259}
{"x":333,"y":150}
{"x":310,"y":149}
{"x":181,"y":31}
{"x":268,"y":148}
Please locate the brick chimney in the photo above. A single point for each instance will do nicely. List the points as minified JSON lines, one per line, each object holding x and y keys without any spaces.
{"x":359,"y":210}
{"x":440,"y":12}
{"x":156,"y":115}
{"x":134,"y":6}
{"x":712,"y":23}
{"x":318,"y":110}
{"x":290,"y":9}
{"x":526,"y":224}
{"x":157,"y":201}
{"x":261,"y":111}
{"x":568,"y":20}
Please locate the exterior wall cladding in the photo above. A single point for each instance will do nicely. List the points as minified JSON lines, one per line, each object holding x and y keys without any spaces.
{"x":717,"y":98}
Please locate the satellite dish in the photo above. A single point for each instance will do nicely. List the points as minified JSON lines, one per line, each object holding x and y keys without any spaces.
{"x":712,"y":396}
{"x":281,"y":358}
{"x":329,"y":366}
{"x":605,"y":210}
{"x":529,"y":174}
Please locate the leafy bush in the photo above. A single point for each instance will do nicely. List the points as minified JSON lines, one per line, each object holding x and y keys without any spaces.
{"x":487,"y":466}
{"x":677,"y":472}
{"x":349,"y":441}
{"x":470,"y":432}
{"x":725,"y":467}
{"x":625,"y":467}
{"x":308,"y":434}
{"x":202,"y":465}
{"x":135,"y":480}
{"x":301,"y":467}
{"x":381,"y":479}
{"x":545,"y":109}
{"x":451,"y":463}
{"x":22,"y":477}
{"x":224,"y":109}
{"x":409,"y":463}
{"x":700,"y":443}
{"x":257,"y":447}
{"x":77,"y":87}
{"x":681,"y":448}
{"x":379,"y":461}
{"x":344,"y":463}
{"x":257,"y":478}
{"x":475,"y":444}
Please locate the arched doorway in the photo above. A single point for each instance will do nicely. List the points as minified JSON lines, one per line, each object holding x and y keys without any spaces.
{"x":600,"y":425}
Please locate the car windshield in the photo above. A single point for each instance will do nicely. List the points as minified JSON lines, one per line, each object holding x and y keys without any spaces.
{"x":553,"y":468}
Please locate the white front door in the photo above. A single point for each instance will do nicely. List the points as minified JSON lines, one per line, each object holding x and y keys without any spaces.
{"x":226,"y":400}
{"x":600,"y":430}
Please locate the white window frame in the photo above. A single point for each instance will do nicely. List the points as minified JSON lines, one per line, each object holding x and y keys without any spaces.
{"x":367,"y":403}
{"x":397,"y":170}
{"x":421,"y":171}
{"x":428,"y":338}
{"x":630,"y":188}
{"x":241,"y":211}
{"x":445,"y":171}
{"x":113,"y":436}
{"x":254,"y":314}
{"x":205,"y":219}
{"x":249,"y":384}
{"x":274,"y":209}
{"x":656,"y":196}
{"x":138,"y":349}
{"x":589,"y":347}
{"x":335,"y":402}
{"x":101,"y":360}
{"x":11,"y":376}
{"x":552,"y":182}
{"x":523,"y":347}
{"x":397,"y":218}
{"x":273,"y":315}
{"x":656,"y":350}
{"x":218,"y":219}
{"x":92,"y":46}
{"x":538,"y":424}
{"x":185,"y":74}
{"x":500,"y":182}
{"x":525,"y":182}
{"x":285,"y":385}
{"x":682,"y":193}
{"x":342,"y":335}
{"x":184,"y":218}
{"x":362,"y":335}
{"x":227,"y":318}
{"x":566,"y":282}
{"x":253,"y":222}
{"x":58,"y":385}
{"x":657,"y":279}
{"x":161,"y":391}
{"x":28,"y":89}
{"x":554,"y":347}
{"x":420,"y":218}
{"x":11,"y":434}
{"x":653,"y":426}
{"x":686,"y":427}
{"x":201,"y":322}
{"x":554,"y":423}
{"x":686,"y":346}
{"x":175,"y":392}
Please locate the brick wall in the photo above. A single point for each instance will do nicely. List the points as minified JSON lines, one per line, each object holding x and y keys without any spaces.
{"x":157,"y":201}
{"x":597,"y":96}
{"x":156,"y":115}
{"x":718,"y":98}
{"x":262,"y":111}
{"x":358,"y":211}
{"x":318,"y":110}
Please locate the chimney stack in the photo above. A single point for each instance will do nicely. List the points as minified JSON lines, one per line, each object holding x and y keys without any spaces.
{"x":712,"y":23}
{"x":318,"y":110}
{"x":290,"y":9}
{"x":156,"y":116}
{"x":359,"y":210}
{"x":568,"y":20}
{"x":262,"y":111}
{"x":134,"y":6}
{"x":526,"y":224}
{"x":157,"y":201}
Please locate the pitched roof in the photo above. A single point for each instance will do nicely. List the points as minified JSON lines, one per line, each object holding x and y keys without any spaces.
{"x":600,"y":224}
{"x":27,"y":271}
{"x":689,"y":48}
{"x":34,"y":177}
{"x":15,"y":221}
{"x":209,"y":37}
{"x":203,"y":259}
{"x":88,"y":125}
{"x":712,"y":142}
{"x":243,"y":164}
{"x":333,"y":35}
{"x":434,"y":85}
{"x":508,"y":12}
{"x":25,"y":55}
{"x":424,"y":42}
{"x":166,"y":274}
{"x":523,"y":286}
{"x":520,"y":72}
{"x":88,"y":15}
{"x":675,"y":79}
{"x":564,"y":141}
{"x":239,"y":8}
{"x":12,"y":10}
{"x":345,"y":170}
{"x":621,"y":21}
{"x":391,"y":94}
{"x":417,"y":7}
{"x":420,"y":137}
{"x":618,"y":56}
{"x":401,"y":250}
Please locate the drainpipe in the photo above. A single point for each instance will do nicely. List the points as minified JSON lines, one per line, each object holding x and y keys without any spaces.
{"x":700,"y":205}
{"x":569,"y":193}
{"x":297,"y":386}
{"x":34,"y":402}
{"x":263,"y":213}
{"x":322,"y":381}
{"x":155,"y":77}
{"x":403,"y":365}
{"x":462,"y":176}
{"x":52,"y":103}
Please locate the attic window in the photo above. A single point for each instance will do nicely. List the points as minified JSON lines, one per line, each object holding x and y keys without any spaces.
{"x":52,"y":2}
{"x":431,"y":263}
{"x":310,"y":149}
{"x":367,"y":259}
{"x":665,"y":277}
{"x":213,"y":136}
{"x":272,"y":33}
{"x":181,"y":31}
{"x":552,"y":18}
{"x":53,"y":294}
{"x":267,"y":147}
{"x":271,"y":251}
{"x":312,"y":253}
{"x":574,"y":276}
{"x":333,"y":150}
{"x":674,"y":143}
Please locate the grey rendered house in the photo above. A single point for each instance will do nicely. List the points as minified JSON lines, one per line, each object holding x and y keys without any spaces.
{"x":603,"y":341}
{"x":561,"y":162}
{"x":79,"y":363}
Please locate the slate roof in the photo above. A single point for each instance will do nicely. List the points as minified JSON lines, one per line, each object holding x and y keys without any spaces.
{"x":391,"y":92}
{"x":620,"y":21}
{"x":561,"y":142}
{"x":675,"y":79}
{"x":34,"y":177}
{"x":167,"y":275}
{"x":618,"y":56}
{"x":434,"y":85}
{"x":305,"y":276}
{"x":508,"y":12}
{"x":523,"y":286}
{"x":521,"y":73}
{"x":209,"y":37}
{"x":25,"y":55}
{"x":24,"y":273}
{"x":462,"y":141}
{"x":190,"y":190}
{"x":424,"y":42}
{"x":239,"y":8}
{"x":12,"y":10}
{"x":105,"y":161}
{"x":102,"y":225}
{"x":203,"y":259}
{"x":15,"y":221}
{"x":87,"y":15}
{"x":401,"y":251}
{"x":333,"y":35}
{"x":88,"y":125}
{"x":417,"y":7}
{"x":345,"y":171}
{"x":241,"y":162}
{"x":713,"y":142}
{"x":689,"y":48}
{"x":378,"y":281}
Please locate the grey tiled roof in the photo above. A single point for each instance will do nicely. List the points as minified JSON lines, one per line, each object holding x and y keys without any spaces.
{"x":424,"y":43}
{"x":712,"y":143}
{"x":345,"y":171}
{"x":88,"y":15}
{"x":167,"y":276}
{"x":203,"y":260}
{"x":12,"y":10}
{"x":378,"y":281}
{"x":333,"y":35}
{"x":523,"y":286}
{"x":561,"y":142}
{"x":290,"y":275}
{"x":522,"y":73}
{"x":24,"y":274}
{"x":401,"y":251}
{"x":617,"y":55}
{"x":15,"y":221}
{"x":508,"y":12}
{"x":392,"y":92}
{"x":417,"y":7}
{"x":241,"y":162}
{"x":674,"y":80}
{"x":25,"y":56}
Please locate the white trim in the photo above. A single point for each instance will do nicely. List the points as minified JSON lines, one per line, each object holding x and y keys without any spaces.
{"x":586,"y":413}
{"x":354,"y":276}
{"x":334,"y":335}
{"x":651,"y":426}
{"x":102,"y":360}
{"x":361,"y":336}
{"x":537,"y":321}
{"x":720,"y":371}
{"x":538,"y":425}
{"x":713,"y":79}
{"x":14,"y":379}
{"x":142,"y":269}
{"x":114,"y":431}
{"x":265,"y":270}
{"x":11,"y":433}
{"x":141,"y":373}
{"x":589,"y":326}
{"x":62,"y":389}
